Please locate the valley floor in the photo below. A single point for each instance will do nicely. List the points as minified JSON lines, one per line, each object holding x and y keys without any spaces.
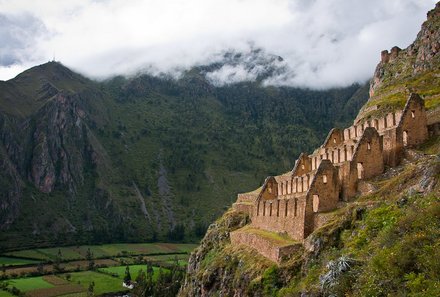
{"x":75,"y":271}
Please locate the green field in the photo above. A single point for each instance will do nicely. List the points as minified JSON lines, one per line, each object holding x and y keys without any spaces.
{"x":106,"y":280}
{"x":134,"y":270}
{"x":29,"y":283}
{"x":105,"y":250}
{"x":6,"y":294}
{"x":183,"y":258}
{"x":103,"y":283}
{"x":83,"y":294}
{"x":16,"y":261}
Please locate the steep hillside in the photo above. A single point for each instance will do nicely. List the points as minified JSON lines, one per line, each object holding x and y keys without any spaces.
{"x":414,"y":69}
{"x":384,"y":243}
{"x":144,"y":158}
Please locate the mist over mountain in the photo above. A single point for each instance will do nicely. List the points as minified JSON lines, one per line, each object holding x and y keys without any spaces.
{"x":324,"y":44}
{"x":148,"y":157}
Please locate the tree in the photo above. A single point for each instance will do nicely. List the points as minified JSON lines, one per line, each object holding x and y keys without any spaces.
{"x":142,"y":288}
{"x":91,"y":289}
{"x":89,"y":258}
{"x":40,"y":268}
{"x":149,"y":284}
{"x":127,"y":277}
{"x":56,"y":265}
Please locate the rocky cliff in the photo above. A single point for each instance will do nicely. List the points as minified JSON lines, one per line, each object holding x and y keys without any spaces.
{"x":382,"y":244}
{"x":47,"y":155}
{"x":402,"y":71}
{"x":381,"y":238}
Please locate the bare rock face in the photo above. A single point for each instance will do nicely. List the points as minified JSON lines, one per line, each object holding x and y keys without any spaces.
{"x":11,"y":191}
{"x":203,"y":282}
{"x":49,"y":152}
{"x":11,"y":183}
{"x":60,"y":146}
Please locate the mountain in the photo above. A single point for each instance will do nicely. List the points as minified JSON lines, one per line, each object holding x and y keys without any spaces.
{"x":146,"y":158}
{"x":382,"y":243}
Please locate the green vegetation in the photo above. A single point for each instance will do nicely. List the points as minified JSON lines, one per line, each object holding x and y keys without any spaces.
{"x":400,"y":247}
{"x":382,"y":244}
{"x":183,"y":148}
{"x":102,"y":251}
{"x":393,"y":95}
{"x":30,"y":283}
{"x":7,"y":261}
{"x":276,"y":238}
{"x":63,"y":276}
{"x":5,"y":294}
{"x":119,"y":271}
{"x":103,"y":283}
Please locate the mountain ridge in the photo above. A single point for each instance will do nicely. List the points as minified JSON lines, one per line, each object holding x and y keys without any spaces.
{"x":80,"y":152}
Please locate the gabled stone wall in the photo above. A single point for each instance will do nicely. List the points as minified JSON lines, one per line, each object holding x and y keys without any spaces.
{"x":292,"y":203}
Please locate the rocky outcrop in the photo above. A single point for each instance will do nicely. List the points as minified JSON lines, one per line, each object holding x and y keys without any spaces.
{"x":204,"y":276}
{"x":60,"y":146}
{"x":420,"y":56}
{"x":11,"y":186}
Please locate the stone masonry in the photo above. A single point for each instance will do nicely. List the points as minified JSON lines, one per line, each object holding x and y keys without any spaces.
{"x":290,"y":204}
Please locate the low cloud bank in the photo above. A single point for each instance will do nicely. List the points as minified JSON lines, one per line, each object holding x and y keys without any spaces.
{"x":323,"y":43}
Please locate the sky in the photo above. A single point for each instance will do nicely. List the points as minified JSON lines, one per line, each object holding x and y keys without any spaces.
{"x":323,"y":43}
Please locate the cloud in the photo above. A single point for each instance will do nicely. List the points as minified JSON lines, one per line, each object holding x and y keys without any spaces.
{"x":324,"y":43}
{"x":18,"y":33}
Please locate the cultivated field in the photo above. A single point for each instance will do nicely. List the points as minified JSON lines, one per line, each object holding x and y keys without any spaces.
{"x":65,"y":271}
{"x":8,"y":261}
{"x":103,"y":251}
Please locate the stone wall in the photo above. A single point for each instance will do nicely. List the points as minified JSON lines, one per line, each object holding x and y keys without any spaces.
{"x":324,"y":190}
{"x":281,"y":215}
{"x":292,"y":203}
{"x":264,"y":246}
{"x":243,"y":207}
{"x":414,"y":124}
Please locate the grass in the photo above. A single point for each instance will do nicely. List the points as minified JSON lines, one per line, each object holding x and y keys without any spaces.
{"x":8,"y":261}
{"x":31,"y":254}
{"x":67,"y":253}
{"x":392,"y":96}
{"x":103,"y":283}
{"x":170,"y":259}
{"x":276,"y":238}
{"x":432,"y":146}
{"x":29,"y":283}
{"x":81,"y":294}
{"x":5,"y":294}
{"x":106,"y":250}
{"x":134,"y":270}
{"x":51,"y":285}
{"x":56,"y":291}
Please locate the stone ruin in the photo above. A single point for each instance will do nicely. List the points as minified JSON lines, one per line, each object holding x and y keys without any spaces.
{"x":289,"y":207}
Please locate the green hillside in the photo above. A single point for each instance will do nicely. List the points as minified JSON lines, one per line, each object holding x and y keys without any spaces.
{"x":144,"y":158}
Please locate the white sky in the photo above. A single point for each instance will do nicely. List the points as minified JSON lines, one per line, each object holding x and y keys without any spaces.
{"x":324,"y":43}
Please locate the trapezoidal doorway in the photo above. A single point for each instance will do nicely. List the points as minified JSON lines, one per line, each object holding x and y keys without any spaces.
{"x":405,"y":138}
{"x":360,"y":170}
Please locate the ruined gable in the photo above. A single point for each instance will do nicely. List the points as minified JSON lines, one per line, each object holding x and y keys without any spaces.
{"x":414,"y":123}
{"x":291,"y":204}
{"x":302,"y":166}
{"x":334,"y":138}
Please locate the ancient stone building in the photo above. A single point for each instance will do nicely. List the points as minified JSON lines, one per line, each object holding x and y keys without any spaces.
{"x":290,"y":204}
